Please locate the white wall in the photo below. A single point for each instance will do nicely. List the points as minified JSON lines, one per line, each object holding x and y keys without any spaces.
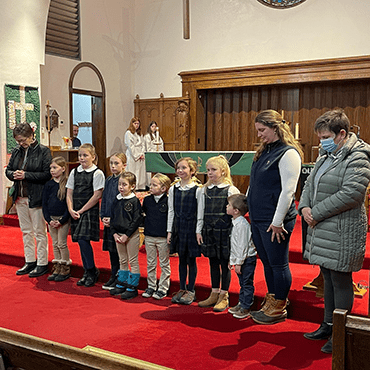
{"x":22,"y":45}
{"x":226,"y":33}
{"x":105,"y":35}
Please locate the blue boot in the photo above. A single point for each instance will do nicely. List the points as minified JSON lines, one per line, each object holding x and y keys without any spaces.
{"x":132,"y":284}
{"x":122,"y":277}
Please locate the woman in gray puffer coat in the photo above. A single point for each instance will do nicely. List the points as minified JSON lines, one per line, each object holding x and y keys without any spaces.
{"x":332,"y":203}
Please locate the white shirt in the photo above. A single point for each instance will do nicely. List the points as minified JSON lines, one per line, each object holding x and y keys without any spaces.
{"x":98,"y":180}
{"x":171,"y":211}
{"x":202,"y":202}
{"x":241,"y":241}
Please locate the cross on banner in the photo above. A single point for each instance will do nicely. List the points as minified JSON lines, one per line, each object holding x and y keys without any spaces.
{"x":22,"y":106}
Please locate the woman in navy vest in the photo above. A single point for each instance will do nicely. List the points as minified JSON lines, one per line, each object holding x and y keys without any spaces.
{"x":273,"y":182}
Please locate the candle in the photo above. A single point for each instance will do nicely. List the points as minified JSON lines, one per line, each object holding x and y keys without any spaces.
{"x":157,"y":135}
{"x":296,"y":133}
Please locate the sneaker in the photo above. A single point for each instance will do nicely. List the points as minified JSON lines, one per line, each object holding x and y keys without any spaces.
{"x":110,"y":284}
{"x":116,"y":290}
{"x":177,"y":296}
{"x":148,"y":293}
{"x":234,"y":309}
{"x":187,"y":298}
{"x":242,"y":313}
{"x":159,"y":294}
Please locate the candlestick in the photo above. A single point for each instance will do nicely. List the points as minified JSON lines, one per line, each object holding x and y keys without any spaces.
{"x":157,"y":135}
{"x":296,"y":133}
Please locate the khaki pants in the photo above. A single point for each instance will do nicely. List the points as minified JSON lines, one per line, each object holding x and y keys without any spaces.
{"x":129,"y":253}
{"x":152,"y":245}
{"x":33,"y":226}
{"x":59,"y":238}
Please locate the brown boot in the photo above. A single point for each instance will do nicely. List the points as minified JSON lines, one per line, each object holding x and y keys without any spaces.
{"x":265,"y":303}
{"x":274,"y":313}
{"x":210,"y":301}
{"x":222,"y":303}
{"x":55,"y":270}
{"x":65,"y":271}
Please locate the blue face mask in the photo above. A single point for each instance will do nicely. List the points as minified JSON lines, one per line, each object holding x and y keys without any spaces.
{"x":329,"y":145}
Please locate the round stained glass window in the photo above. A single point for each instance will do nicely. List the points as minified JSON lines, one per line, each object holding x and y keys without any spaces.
{"x":281,"y":4}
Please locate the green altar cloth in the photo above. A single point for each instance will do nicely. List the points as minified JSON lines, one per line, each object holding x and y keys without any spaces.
{"x":240,"y":162}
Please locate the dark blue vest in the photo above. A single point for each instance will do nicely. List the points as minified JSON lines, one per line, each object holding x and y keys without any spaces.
{"x":265,"y":184}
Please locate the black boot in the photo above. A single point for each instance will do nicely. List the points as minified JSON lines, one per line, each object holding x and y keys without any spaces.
{"x":92,"y":277}
{"x":27,"y":268}
{"x":328,"y":346}
{"x":82,"y":281}
{"x":323,"y":332}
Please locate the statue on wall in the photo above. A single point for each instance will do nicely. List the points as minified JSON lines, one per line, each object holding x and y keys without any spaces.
{"x":182,"y":123}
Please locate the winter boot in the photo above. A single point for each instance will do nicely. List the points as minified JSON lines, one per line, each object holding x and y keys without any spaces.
{"x":210,"y":301}
{"x":132,"y":284}
{"x":92,"y":277}
{"x":121,"y":284}
{"x":55,"y":270}
{"x":274,"y":313}
{"x":222,"y":302}
{"x":265,"y":303}
{"x":65,"y":271}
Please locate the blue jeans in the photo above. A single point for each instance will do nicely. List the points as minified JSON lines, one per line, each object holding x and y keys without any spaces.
{"x":246,"y":295}
{"x":275,"y":258}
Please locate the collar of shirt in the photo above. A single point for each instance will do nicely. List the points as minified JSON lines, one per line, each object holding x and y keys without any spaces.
{"x":336,"y":155}
{"x":92,"y":168}
{"x":187,"y":186}
{"x":237,"y":220}
{"x":131,"y":195}
{"x":223,"y":185}
{"x":157,"y":197}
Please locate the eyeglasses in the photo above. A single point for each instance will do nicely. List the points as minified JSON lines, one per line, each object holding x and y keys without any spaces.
{"x":21,"y":141}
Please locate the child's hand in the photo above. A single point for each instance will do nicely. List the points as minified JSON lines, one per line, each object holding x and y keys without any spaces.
{"x":74,"y":214}
{"x":124,"y":238}
{"x":199,"y":239}
{"x":238,"y":269}
{"x":106,"y":221}
{"x":231,"y":267}
{"x":168,"y":238}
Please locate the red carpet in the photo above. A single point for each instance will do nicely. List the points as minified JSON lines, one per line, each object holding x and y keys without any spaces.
{"x":181,"y":337}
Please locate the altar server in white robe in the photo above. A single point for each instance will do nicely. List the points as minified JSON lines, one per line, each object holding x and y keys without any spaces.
{"x":135,"y":144}
{"x":153,"y":143}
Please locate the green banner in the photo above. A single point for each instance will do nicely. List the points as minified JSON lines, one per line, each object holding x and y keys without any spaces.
{"x":22,"y":104}
{"x":240,"y":162}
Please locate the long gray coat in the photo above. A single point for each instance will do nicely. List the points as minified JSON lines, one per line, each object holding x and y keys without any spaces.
{"x":337,"y":242}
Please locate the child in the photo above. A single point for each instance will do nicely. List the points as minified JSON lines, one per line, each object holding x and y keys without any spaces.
{"x":84,"y":189}
{"x":117,"y":163}
{"x":242,"y":254}
{"x":155,"y":208}
{"x":213,"y":233}
{"x":126,"y":217}
{"x":181,"y":226}
{"x":55,"y":210}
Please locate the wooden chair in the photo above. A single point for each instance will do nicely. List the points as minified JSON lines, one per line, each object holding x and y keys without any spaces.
{"x":351,"y":341}
{"x":26,"y":352}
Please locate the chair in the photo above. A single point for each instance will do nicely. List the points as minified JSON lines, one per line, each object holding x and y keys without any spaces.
{"x":351,"y":341}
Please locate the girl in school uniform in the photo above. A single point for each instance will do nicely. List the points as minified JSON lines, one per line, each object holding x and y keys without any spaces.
{"x":126,"y":217}
{"x":214,"y":231}
{"x":181,"y":227}
{"x":55,"y":211}
{"x":84,"y":189}
{"x":117,"y":163}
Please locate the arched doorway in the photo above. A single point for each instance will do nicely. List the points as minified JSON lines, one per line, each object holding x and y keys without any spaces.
{"x":98,"y":115}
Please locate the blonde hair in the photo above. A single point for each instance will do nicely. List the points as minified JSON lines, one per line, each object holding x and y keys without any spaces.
{"x":221,"y":162}
{"x":130,"y":177}
{"x":131,"y":127}
{"x":193,"y":169}
{"x":163,"y":180}
{"x":121,"y":156}
{"x":91,"y":149}
{"x":60,"y":161}
{"x":239,"y":202}
{"x":274,"y":120}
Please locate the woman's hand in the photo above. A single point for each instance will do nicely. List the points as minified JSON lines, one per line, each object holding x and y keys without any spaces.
{"x":18,"y":175}
{"x":277,"y":232}
{"x":106,"y":221}
{"x":307,"y":215}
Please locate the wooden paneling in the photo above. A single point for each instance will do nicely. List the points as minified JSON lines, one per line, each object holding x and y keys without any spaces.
{"x":173,"y":128}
